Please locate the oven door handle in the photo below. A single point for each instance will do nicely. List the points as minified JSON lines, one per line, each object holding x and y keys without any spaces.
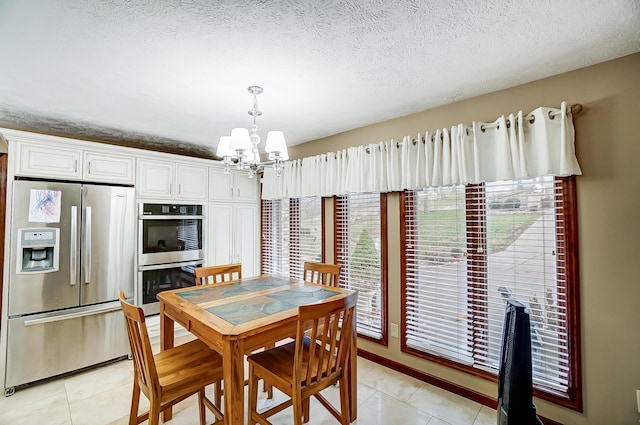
{"x":169,"y":265}
{"x":171,"y":217}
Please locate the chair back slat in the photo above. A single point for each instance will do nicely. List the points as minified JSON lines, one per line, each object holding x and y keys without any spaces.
{"x":140,"y":345}
{"x":217,"y":274}
{"x":321,"y":273}
{"x":324,"y":334}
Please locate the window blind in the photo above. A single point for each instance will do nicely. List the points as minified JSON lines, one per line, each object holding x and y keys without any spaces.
{"x":291,"y":235}
{"x":310,"y":230}
{"x":360,"y":244}
{"x":468,"y":250}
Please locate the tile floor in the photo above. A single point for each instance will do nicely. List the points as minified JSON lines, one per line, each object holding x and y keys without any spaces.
{"x":102,"y":396}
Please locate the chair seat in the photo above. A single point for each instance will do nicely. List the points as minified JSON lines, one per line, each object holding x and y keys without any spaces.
{"x":278,"y":362}
{"x":190,"y":365}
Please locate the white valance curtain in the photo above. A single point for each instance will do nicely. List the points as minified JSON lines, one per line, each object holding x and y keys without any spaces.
{"x":511,"y":148}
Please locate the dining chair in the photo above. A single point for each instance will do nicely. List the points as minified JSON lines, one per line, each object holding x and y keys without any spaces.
{"x":217,"y":274}
{"x":322,"y":273}
{"x":171,"y":375}
{"x":314,"y":361}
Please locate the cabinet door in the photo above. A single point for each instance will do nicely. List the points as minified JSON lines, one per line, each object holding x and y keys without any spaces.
{"x":220,"y":185}
{"x":192,"y":182}
{"x":220,"y":224}
{"x":101,"y":167}
{"x":155,"y":179}
{"x":247,"y":239}
{"x":49,"y":161}
{"x":246,"y":189}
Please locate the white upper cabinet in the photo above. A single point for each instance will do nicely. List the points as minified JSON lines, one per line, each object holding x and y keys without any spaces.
{"x":220,"y":185}
{"x":47,"y":160}
{"x":235,"y":186}
{"x":192,"y":181}
{"x":170,"y":180}
{"x":104,"y":167}
{"x":156,"y":175}
{"x":247,"y":189}
{"x":52,"y":157}
{"x":155,"y":179}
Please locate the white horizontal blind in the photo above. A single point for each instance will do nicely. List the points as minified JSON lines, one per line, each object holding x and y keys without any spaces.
{"x":309,"y":240}
{"x":274,"y":216}
{"x":436,"y":293}
{"x":522,"y":261}
{"x":470,"y":250}
{"x":359,"y":252}
{"x":291,"y":235}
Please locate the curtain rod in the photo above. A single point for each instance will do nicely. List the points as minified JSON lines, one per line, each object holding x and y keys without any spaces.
{"x":575,"y":109}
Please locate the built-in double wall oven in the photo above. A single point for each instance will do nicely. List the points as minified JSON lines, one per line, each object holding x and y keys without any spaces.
{"x":170,"y":247}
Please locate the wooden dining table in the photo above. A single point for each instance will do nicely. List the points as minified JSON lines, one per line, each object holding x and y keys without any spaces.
{"x":238,"y":317}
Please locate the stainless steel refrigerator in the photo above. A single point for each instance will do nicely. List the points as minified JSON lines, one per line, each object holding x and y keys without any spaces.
{"x":72,"y":250}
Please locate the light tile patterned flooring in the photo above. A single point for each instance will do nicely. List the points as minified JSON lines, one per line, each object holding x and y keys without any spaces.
{"x":102,"y":396}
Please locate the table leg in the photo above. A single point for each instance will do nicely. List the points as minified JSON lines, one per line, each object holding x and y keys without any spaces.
{"x":233,"y":372}
{"x":353,"y":375}
{"x":166,"y":342}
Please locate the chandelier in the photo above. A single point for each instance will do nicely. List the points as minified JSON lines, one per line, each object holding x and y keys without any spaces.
{"x":241,"y":148}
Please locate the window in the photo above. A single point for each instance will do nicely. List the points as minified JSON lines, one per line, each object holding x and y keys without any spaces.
{"x":292,"y":233}
{"x":360,"y":244}
{"x":470,"y":248}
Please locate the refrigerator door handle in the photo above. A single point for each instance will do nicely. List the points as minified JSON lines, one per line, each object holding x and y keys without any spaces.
{"x":73,"y":261}
{"x":87,"y":245}
{"x":107,"y":308}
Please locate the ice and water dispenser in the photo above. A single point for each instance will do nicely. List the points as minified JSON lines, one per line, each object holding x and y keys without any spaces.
{"x":38,"y":250}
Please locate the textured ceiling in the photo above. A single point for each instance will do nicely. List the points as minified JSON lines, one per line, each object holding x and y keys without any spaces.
{"x":174,"y":74}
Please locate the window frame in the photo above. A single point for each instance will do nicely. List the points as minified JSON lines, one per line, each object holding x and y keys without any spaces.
{"x":384,"y":262}
{"x":567,"y":249}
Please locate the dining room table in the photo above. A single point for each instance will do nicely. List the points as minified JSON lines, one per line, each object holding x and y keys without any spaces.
{"x":238,"y":317}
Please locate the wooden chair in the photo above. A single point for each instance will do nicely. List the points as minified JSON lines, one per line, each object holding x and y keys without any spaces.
{"x":217,"y":274}
{"x":171,"y":375}
{"x":324,"y":274}
{"x":314,"y":361}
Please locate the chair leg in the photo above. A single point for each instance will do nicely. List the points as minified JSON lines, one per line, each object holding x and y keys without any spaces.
{"x":345,"y":412}
{"x":217,"y":390}
{"x":135,"y":401}
{"x":154,"y":412}
{"x":201,"y":409}
{"x":305,"y":409}
{"x":298,"y":408}
{"x":266,"y":387}
{"x":253,"y":395}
